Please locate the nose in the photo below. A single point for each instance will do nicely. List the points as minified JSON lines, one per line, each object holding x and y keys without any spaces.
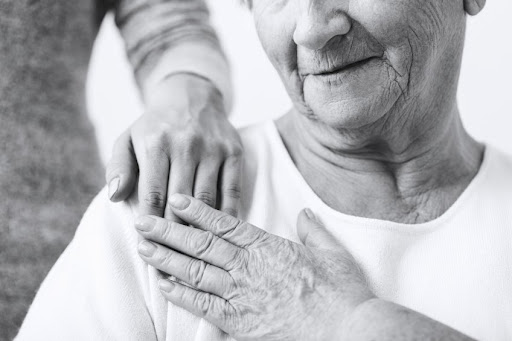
{"x":319,"y":21}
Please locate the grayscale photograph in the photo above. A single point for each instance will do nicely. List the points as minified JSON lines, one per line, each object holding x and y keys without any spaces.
{"x":255,"y":170}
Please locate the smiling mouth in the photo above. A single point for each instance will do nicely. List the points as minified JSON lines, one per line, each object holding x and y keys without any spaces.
{"x":345,"y":67}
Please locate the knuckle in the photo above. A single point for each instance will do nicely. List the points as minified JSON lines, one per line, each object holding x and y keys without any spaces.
{"x":154,"y":144}
{"x":232,"y":191}
{"x":163,"y":129}
{"x":203,"y":243}
{"x":239,"y":261}
{"x":231,"y":211}
{"x":203,"y":302}
{"x":190,"y":136}
{"x":224,"y":224}
{"x":189,"y":141}
{"x":154,"y":199}
{"x":235,"y":151}
{"x":213,"y":155}
{"x":196,"y":271}
{"x":206,"y":197}
{"x":189,"y":152}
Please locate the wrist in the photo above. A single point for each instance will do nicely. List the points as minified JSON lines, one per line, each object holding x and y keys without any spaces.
{"x":184,"y":92}
{"x":197,"y":58}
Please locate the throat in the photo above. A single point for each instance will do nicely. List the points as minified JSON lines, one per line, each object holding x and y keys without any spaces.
{"x":378,"y":197}
{"x":415,"y":191}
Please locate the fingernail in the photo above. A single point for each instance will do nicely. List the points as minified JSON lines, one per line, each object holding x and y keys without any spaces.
{"x":113,"y":186}
{"x":310,"y":214}
{"x":165,"y":285}
{"x":145,"y":223}
{"x":147,"y":248}
{"x":179,"y":201}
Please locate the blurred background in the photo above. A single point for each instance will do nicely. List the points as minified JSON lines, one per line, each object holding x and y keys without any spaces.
{"x":485,"y":93}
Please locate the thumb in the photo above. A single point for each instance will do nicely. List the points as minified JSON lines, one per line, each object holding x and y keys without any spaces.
{"x":312,"y":232}
{"x":121,"y":173}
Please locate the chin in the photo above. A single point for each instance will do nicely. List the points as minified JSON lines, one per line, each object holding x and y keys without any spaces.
{"x":350,"y":112}
{"x":351,"y":99}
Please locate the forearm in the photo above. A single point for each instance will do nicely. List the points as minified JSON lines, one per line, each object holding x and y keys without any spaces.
{"x":167,"y":37}
{"x":381,"y":320}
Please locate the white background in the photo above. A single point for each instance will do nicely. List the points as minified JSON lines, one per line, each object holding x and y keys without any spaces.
{"x":485,"y":93}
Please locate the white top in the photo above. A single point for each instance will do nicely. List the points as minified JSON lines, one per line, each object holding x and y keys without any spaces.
{"x":456,"y":269}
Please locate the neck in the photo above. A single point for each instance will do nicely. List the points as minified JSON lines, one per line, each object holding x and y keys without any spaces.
{"x":412,"y":174}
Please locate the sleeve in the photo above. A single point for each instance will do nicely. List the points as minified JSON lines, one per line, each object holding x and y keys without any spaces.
{"x":163,"y":37}
{"x":99,"y":289}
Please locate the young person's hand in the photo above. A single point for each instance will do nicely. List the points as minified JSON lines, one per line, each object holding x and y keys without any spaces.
{"x":184,"y":144}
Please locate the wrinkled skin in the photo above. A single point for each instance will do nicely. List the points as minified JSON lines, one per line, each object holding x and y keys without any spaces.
{"x":415,"y":45}
{"x":385,"y":112}
{"x":374,"y":88}
{"x":184,"y":143}
{"x":252,"y":284}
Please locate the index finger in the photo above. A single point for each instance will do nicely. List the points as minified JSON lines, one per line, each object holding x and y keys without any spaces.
{"x":190,"y":241}
{"x":221,"y":224}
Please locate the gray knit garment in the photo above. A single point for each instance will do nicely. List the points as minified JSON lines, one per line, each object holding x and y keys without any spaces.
{"x":49,"y":163}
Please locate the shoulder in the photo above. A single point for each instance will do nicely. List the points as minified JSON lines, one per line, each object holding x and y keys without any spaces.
{"x":105,"y":243}
{"x":258,"y":141}
{"x":492,"y":187}
{"x":261,"y":144}
{"x":111,"y":222}
{"x":257,"y":134}
{"x":259,"y":156}
{"x":499,"y":157}
{"x":497,"y":169}
{"x":98,"y":271}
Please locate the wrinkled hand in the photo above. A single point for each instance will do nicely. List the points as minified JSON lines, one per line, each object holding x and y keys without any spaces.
{"x":185,"y":144}
{"x":252,"y":284}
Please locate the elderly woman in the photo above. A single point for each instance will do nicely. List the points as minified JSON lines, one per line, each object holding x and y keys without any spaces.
{"x":418,"y":215}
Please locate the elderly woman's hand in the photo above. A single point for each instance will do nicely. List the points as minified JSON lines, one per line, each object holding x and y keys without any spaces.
{"x":252,"y":284}
{"x":184,"y":143}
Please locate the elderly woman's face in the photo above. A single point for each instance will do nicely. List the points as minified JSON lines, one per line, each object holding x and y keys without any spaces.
{"x":349,"y":62}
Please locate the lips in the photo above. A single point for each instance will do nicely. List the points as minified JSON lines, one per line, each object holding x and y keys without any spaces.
{"x":344,"y":66}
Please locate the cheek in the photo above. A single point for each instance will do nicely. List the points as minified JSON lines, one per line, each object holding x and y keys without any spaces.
{"x":382,"y":18}
{"x":413,"y":32}
{"x":391,"y":21}
{"x":275,"y":30}
{"x":387,"y":21}
{"x":278,"y":43}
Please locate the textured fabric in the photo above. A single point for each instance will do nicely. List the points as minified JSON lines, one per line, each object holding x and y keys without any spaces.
{"x":49,"y":164}
{"x":456,"y":269}
{"x":171,"y":36}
